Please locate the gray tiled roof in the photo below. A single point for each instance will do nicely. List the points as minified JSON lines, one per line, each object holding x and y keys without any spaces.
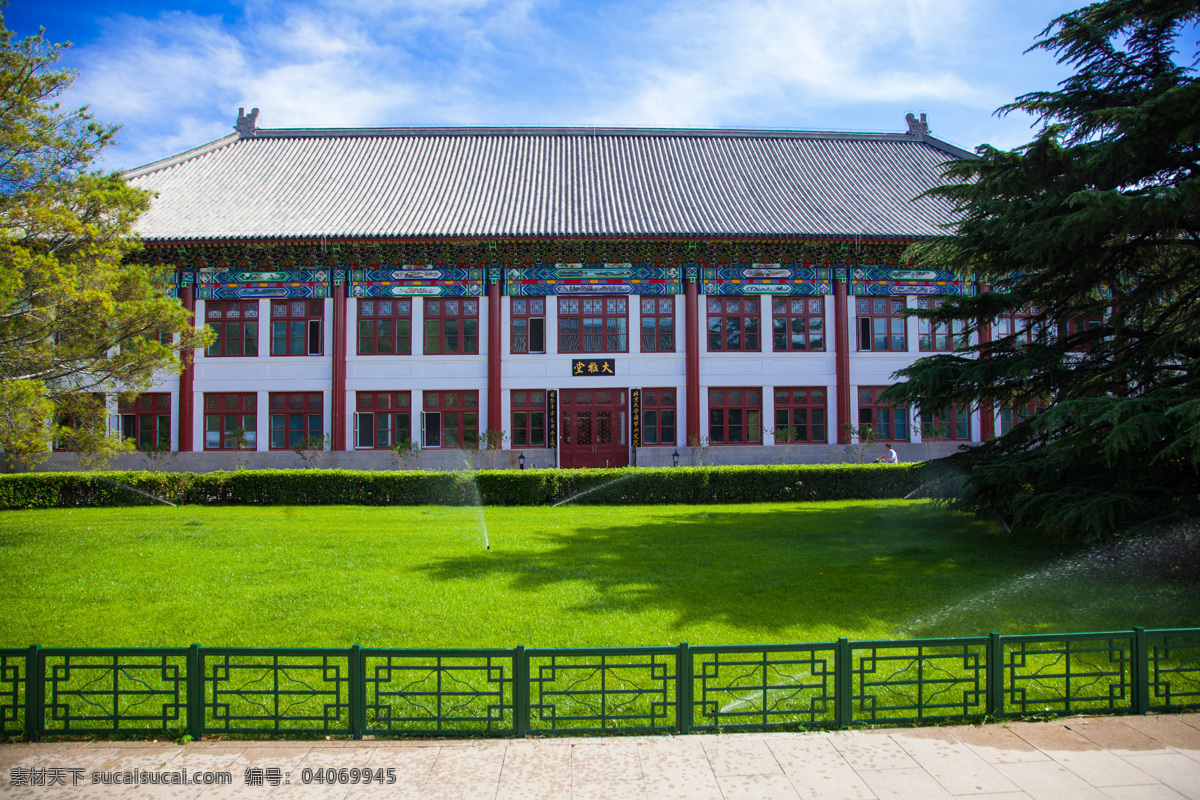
{"x":546,"y":182}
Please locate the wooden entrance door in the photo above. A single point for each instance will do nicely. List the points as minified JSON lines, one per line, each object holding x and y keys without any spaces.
{"x":593,"y":428}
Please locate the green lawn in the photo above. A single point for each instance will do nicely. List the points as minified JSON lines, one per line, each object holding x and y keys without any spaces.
{"x":569,"y":576}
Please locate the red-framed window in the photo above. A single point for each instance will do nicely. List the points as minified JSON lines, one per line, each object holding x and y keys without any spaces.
{"x":230,"y":421}
{"x":235,"y":323}
{"x":951,"y":424}
{"x":296,"y":327}
{"x":1012,"y":416}
{"x":451,"y":326}
{"x":800,"y":415}
{"x":733,"y":325}
{"x":1078,"y":326}
{"x":528,"y":417}
{"x":71,"y":427}
{"x":1019,"y":324}
{"x":888,"y":422}
{"x":450,"y":419}
{"x":593,"y":325}
{"x":297,"y":419}
{"x":940,"y":337}
{"x":658,"y":324}
{"x":146,"y":419}
{"x":881,"y":323}
{"x":384,"y":327}
{"x":527,"y":326}
{"x":798,"y":323}
{"x":382,"y":419}
{"x":735,"y":415}
{"x":658,"y":417}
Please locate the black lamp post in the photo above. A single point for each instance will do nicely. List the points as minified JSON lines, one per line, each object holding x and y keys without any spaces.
{"x":521,"y":460}
{"x":675,"y":459}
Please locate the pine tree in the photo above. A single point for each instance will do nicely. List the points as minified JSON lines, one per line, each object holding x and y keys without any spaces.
{"x":76,"y":319}
{"x":1091,"y":229}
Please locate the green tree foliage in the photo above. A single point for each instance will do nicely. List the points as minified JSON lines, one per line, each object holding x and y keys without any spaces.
{"x":1097,"y":218}
{"x":75,"y":318}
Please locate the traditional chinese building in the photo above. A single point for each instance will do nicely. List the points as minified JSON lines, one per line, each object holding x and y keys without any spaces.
{"x":597,"y":296}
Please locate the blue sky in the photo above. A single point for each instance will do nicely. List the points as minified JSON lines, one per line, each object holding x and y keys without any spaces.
{"x":173,"y":74}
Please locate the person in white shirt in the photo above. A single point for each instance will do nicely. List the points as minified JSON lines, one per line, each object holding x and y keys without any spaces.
{"x":889,"y":457}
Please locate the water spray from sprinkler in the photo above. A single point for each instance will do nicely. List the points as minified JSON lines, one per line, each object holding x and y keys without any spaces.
{"x":153,"y":497}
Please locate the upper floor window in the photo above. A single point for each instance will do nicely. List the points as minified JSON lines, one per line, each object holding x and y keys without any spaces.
{"x":235,"y":323}
{"x":881,"y":323}
{"x":798,"y":323}
{"x":146,"y":419}
{"x":735,"y":416}
{"x":658,"y":416}
{"x":528,"y":325}
{"x":939,"y":337}
{"x":1018,"y":324}
{"x":799,"y":415}
{"x":733,"y":324}
{"x":382,"y":419}
{"x":385,"y":327}
{"x":593,"y":324}
{"x":296,"y":327}
{"x":658,"y":324}
{"x":1075,"y":330}
{"x":451,"y":326}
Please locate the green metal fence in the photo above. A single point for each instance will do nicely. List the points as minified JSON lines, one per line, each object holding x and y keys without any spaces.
{"x":359,"y":691}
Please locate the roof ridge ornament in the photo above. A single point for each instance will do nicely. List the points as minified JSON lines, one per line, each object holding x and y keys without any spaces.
{"x":247,"y":124}
{"x":918,"y":129}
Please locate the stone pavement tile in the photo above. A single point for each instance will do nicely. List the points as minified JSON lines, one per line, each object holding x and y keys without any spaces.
{"x":683,"y":786}
{"x":470,"y":790}
{"x":817,"y":769}
{"x":871,"y":751}
{"x":996,"y":744}
{"x":677,"y":767}
{"x":476,"y":762}
{"x":902,"y":784}
{"x":605,"y":760}
{"x":740,"y":754}
{"x":529,"y":762}
{"x":1190,"y":719}
{"x":757,"y":787}
{"x":12,"y":755}
{"x":1102,"y":768}
{"x":1171,"y":730}
{"x":1049,"y":780}
{"x":1052,"y":735}
{"x":411,"y":765}
{"x":951,"y":763}
{"x":1154,"y":791}
{"x":1112,"y":733}
{"x":1175,"y":770}
{"x":1000,"y":796}
{"x":543,"y":789}
{"x":609,"y":790}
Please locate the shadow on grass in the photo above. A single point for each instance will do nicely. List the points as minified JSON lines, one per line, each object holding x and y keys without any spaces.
{"x":770,"y":569}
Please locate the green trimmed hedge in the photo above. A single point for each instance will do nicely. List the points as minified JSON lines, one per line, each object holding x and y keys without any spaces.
{"x":629,"y":486}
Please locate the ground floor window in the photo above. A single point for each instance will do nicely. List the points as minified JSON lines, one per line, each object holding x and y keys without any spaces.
{"x":799,"y":415}
{"x":450,"y":419}
{"x":146,"y":419}
{"x":947,"y":424}
{"x":1013,"y":416}
{"x":382,"y":419}
{"x":230,"y":421}
{"x":528,"y":417}
{"x":886,"y":422}
{"x":735,"y":416}
{"x":658,"y":417}
{"x":297,"y":419}
{"x":79,"y":418}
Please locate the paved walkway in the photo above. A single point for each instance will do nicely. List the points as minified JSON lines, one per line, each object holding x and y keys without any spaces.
{"x":1124,"y":758}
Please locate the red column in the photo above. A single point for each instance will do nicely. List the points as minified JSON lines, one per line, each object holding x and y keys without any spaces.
{"x":692,"y":358}
{"x":338,"y":401}
{"x":187,"y":377}
{"x":841,"y":347}
{"x":987,"y":413}
{"x":494,"y":344}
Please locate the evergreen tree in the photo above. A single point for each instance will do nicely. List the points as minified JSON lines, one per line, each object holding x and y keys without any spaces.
{"x":1091,"y":230}
{"x":75,"y":318}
